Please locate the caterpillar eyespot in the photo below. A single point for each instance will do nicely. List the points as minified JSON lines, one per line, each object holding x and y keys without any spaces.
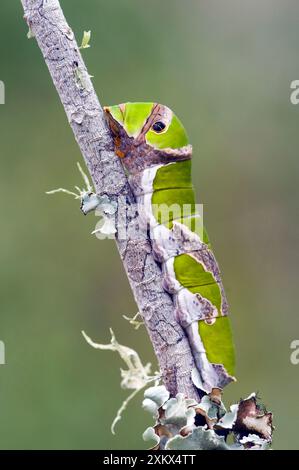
{"x":158,"y":126}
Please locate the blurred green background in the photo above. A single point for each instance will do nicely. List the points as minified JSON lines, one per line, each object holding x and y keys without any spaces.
{"x":225,"y":68}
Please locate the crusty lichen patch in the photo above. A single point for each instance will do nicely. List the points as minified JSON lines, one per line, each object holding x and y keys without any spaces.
{"x":176,"y":426}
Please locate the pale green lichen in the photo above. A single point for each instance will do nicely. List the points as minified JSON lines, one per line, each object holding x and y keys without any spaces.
{"x":30,"y":34}
{"x":154,"y":398}
{"x":81,"y":193}
{"x":255,"y":442}
{"x":82,"y":78}
{"x":90,"y":201}
{"x":134,"y":322}
{"x":85,"y":40}
{"x":199,"y":439}
{"x":229,"y":419}
{"x":178,"y":412}
{"x":212,"y":411}
{"x":135,"y":377}
{"x":150,"y":435}
{"x":176,"y":423}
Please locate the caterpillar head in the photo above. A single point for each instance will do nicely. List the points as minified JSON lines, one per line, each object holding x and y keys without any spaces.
{"x":147,"y":134}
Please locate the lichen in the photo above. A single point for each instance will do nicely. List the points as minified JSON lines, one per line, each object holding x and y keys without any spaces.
{"x":85,"y":40}
{"x":177,"y":423}
{"x":135,"y":377}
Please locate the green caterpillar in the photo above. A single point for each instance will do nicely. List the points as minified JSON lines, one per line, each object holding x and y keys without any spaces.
{"x":155,"y":151}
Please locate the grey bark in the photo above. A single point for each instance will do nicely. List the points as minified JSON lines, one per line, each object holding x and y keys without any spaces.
{"x":71,"y":79}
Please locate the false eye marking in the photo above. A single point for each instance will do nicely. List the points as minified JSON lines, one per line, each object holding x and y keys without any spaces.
{"x":158,"y":126}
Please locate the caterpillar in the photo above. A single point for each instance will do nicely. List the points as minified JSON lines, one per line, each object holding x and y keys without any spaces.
{"x":155,"y":151}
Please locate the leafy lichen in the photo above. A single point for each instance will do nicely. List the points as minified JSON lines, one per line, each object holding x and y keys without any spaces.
{"x":176,"y":425}
{"x":135,"y":377}
{"x":85,"y":40}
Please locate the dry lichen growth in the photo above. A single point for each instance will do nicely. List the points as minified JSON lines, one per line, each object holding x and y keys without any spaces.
{"x":183,"y":424}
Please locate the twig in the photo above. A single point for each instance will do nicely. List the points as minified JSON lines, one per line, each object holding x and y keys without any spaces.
{"x":73,"y":84}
